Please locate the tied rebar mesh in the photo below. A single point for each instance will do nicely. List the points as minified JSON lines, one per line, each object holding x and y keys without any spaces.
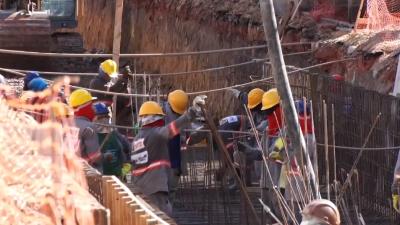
{"x":42,"y":179}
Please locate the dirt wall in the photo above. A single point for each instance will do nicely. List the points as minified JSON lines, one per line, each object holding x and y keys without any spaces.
{"x":152,"y":27}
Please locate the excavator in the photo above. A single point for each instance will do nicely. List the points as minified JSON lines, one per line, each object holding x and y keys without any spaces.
{"x":39,"y":25}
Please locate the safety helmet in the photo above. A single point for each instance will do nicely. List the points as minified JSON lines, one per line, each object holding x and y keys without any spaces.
{"x":338,"y":77}
{"x":150,"y":108}
{"x":30,"y":76}
{"x":321,"y":211}
{"x":179,"y":101}
{"x":109,"y":67}
{"x":61,"y":110}
{"x":254,"y":98}
{"x":37,"y":84}
{"x":79,"y":97}
{"x":100,"y":108}
{"x":270,"y":99}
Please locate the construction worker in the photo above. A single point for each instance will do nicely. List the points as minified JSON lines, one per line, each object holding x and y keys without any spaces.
{"x":306,"y":125}
{"x":272,"y":147}
{"x":396,"y":185}
{"x":253,"y":102}
{"x":177,"y":104}
{"x":108,"y":79}
{"x":37,"y":85}
{"x":31,"y":97}
{"x":149,"y":155}
{"x":28,"y":77}
{"x":81,"y":102}
{"x":320,"y":212}
{"x":113,"y":146}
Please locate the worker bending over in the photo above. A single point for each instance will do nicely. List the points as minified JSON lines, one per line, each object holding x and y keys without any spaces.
{"x":149,"y":155}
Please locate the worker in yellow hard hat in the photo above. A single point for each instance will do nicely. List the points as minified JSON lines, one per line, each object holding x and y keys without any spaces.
{"x":81,"y":101}
{"x":150,"y":155}
{"x":253,"y":102}
{"x":174,"y":107}
{"x":108,"y":79}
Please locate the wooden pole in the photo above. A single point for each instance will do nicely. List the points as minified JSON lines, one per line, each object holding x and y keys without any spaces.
{"x":282,"y":84}
{"x":359,"y":14}
{"x":119,"y":8}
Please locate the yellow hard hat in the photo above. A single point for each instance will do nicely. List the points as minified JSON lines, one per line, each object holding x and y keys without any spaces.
{"x":179,"y":101}
{"x":270,"y":99}
{"x":254,"y":98}
{"x":109,"y":67}
{"x":79,"y":97}
{"x":150,"y":108}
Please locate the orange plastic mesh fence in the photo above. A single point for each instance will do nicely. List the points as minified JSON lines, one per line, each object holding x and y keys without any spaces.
{"x":380,"y":15}
{"x":41,"y":178}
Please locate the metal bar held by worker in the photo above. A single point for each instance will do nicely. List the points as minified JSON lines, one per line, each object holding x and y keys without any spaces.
{"x":230,"y":164}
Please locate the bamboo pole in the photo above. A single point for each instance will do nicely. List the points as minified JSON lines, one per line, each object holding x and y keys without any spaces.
{"x":326,"y":139}
{"x":334,"y":152}
{"x":282,"y":84}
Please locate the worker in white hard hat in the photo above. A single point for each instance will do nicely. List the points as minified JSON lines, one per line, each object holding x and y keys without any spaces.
{"x":150,"y":156}
{"x":320,"y":212}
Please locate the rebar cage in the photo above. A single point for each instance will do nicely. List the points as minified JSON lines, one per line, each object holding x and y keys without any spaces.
{"x":206,"y":196}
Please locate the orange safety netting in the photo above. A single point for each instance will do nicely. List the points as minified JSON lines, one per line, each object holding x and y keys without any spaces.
{"x":41,"y":178}
{"x":380,"y":15}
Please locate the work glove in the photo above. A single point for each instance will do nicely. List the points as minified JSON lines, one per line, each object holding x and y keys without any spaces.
{"x":126,"y":168}
{"x":108,"y":157}
{"x":234,"y":92}
{"x":275,"y":155}
{"x":198,"y":102}
{"x":395,"y":198}
{"x":126,"y":72}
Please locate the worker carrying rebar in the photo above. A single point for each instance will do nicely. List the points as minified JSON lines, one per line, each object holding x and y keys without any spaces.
{"x":108,"y":79}
{"x":114,"y":146}
{"x":320,"y":212}
{"x":396,"y":185}
{"x":82,"y":103}
{"x":174,"y":107}
{"x":149,"y":155}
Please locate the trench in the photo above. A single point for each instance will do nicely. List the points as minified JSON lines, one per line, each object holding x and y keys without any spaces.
{"x":167,"y":27}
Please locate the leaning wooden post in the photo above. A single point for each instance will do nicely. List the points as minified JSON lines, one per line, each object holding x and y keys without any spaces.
{"x":119,"y":8}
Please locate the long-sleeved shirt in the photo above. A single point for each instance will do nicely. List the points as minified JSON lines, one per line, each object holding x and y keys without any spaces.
{"x":150,"y":155}
{"x":89,"y":142}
